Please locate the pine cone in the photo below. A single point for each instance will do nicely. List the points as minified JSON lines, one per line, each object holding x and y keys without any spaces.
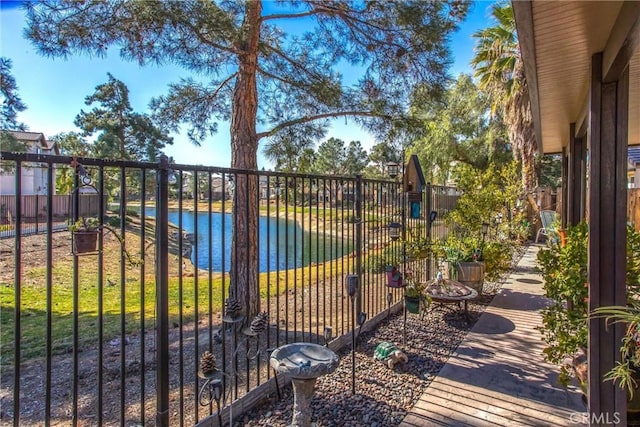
{"x":207,"y":363}
{"x":259,"y":323}
{"x":233,"y":307}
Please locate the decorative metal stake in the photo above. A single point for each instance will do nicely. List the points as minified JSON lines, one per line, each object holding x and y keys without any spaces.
{"x":362,"y":317}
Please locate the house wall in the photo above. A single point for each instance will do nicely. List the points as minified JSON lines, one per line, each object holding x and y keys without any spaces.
{"x":34,"y":182}
{"x":34,"y":175}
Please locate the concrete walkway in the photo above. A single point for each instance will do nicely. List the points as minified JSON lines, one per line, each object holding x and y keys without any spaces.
{"x":498,"y":375}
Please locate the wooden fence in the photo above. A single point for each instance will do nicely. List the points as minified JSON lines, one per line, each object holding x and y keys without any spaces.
{"x":633,"y":206}
{"x":36,"y":206}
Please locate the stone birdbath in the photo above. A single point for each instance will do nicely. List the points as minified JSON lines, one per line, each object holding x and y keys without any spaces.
{"x":303,"y":363}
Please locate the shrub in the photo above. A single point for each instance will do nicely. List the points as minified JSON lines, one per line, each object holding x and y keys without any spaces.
{"x":564,"y":325}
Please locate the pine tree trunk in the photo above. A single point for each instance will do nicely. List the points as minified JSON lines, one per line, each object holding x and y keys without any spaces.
{"x":244,"y":147}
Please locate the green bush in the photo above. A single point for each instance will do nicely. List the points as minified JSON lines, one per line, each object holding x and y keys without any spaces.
{"x":564,"y":270}
{"x":564,"y":324}
{"x":498,"y":258}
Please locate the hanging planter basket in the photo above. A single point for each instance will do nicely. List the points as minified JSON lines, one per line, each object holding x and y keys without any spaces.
{"x":85,"y":242}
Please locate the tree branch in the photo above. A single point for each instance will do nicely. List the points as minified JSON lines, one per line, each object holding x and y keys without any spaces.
{"x":299,"y":85}
{"x":290,"y":15}
{"x":223,"y":84}
{"x":205,"y":41}
{"x":308,"y":119}
{"x":295,"y":64}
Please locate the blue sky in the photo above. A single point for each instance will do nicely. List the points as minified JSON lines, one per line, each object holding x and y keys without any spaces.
{"x":54,"y":89}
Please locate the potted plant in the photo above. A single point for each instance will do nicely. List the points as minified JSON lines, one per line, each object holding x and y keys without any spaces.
{"x":415,"y":294}
{"x":471,"y":259}
{"x":85,"y":234}
{"x":418,"y":248}
{"x":465,"y":258}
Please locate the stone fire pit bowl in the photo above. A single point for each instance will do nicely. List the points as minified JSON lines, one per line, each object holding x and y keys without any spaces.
{"x":303,"y":363}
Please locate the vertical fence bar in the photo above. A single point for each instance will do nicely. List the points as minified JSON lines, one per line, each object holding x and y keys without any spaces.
{"x":48,"y":368}
{"x":325,"y":260}
{"x":100,"y":295}
{"x":380,"y":226}
{"x":143,"y":235}
{"x":358,"y":220}
{"x":194,"y":250}
{"x":234,"y":278}
{"x":162,"y":294}
{"x":247,"y":201}
{"x":210,"y":262}
{"x":366,"y":302}
{"x":316,"y":192}
{"x":74,"y":411}
{"x":17,"y":297}
{"x":310,"y":283}
{"x":258,"y":179}
{"x":37,"y":207}
{"x":278,"y":325}
{"x":181,"y":254}
{"x":295,"y":259}
{"x":286,"y":260}
{"x":123,"y":296}
{"x":302,"y":260}
{"x":428,"y":195}
{"x":343,"y":237}
{"x":223,"y":334}
{"x":268,"y":261}
{"x":333,"y":283}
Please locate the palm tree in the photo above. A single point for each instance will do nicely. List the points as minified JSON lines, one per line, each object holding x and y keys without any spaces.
{"x":499,"y":67}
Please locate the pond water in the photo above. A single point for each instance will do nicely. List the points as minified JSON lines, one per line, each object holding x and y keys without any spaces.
{"x":282,"y":243}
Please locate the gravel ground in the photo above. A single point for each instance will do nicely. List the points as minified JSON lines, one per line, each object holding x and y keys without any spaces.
{"x":383,"y":396}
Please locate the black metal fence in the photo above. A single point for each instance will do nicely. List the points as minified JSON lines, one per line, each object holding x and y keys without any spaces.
{"x":113,"y":334}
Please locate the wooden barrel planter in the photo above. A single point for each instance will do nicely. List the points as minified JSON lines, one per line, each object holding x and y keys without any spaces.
{"x":471,"y":274}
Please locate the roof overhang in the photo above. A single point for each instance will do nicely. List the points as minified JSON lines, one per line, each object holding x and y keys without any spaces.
{"x":558,"y":40}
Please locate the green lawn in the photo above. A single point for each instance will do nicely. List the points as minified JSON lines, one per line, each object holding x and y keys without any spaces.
{"x":137,"y":303}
